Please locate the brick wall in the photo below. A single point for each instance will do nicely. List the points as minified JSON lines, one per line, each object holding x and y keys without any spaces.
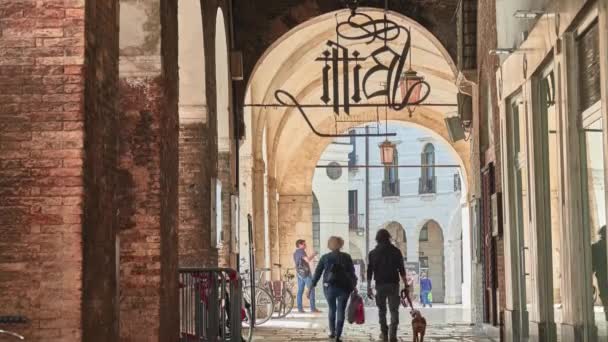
{"x":41,"y":165}
{"x":194,"y":214}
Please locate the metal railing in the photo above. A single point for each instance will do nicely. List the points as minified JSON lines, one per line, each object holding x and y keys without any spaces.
{"x":210,"y":301}
{"x":12,"y":320}
{"x":427,"y":185}
{"x":390,"y":188}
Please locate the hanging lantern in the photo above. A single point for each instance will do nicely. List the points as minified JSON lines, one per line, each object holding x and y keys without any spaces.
{"x":387,"y":152}
{"x":411,"y":80}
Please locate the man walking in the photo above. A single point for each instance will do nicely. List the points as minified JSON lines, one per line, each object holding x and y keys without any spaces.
{"x":302,"y":263}
{"x":386,"y":266}
{"x":426,"y":286}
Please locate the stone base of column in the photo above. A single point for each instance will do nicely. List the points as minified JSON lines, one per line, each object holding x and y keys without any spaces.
{"x":576,"y":332}
{"x":513,"y":331}
{"x":542,"y":331}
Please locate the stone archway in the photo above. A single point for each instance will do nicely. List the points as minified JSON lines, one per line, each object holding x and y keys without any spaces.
{"x":432,"y":257}
{"x":292,"y":150}
{"x":398,"y":236}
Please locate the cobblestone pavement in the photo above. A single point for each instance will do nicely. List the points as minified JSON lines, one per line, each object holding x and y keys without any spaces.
{"x":445,"y":324}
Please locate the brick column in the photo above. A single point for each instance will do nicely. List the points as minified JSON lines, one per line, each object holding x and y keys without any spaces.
{"x":43,"y":177}
{"x":195,"y":143}
{"x":148,"y":171}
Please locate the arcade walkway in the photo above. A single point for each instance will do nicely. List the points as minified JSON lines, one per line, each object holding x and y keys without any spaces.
{"x":446,"y":323}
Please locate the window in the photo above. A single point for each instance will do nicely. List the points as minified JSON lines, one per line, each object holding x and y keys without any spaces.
{"x":353,"y":210}
{"x":352,"y":156}
{"x":334,"y":171}
{"x":427,"y":184}
{"x":457,"y":182}
{"x":390,"y":185}
{"x":424,"y":234}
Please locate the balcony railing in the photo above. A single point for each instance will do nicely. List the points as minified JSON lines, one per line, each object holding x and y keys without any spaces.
{"x":356,"y":221}
{"x":390,"y":188}
{"x":427,"y":185}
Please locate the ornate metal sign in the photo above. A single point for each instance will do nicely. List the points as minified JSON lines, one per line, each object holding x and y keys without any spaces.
{"x":342,"y":67}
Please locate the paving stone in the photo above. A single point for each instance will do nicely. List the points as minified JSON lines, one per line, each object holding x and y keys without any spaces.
{"x":445,"y":324}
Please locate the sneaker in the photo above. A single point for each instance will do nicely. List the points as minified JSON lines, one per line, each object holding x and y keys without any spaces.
{"x":301,"y":311}
{"x":331,"y":335}
{"x":316,"y":311}
{"x":383,"y":338}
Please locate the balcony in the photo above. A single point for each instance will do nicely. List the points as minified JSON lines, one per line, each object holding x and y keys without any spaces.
{"x":427,"y":186}
{"x":390,"y":189}
{"x":356,"y":222}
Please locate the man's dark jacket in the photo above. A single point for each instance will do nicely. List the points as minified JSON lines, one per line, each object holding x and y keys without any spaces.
{"x":385,"y":264}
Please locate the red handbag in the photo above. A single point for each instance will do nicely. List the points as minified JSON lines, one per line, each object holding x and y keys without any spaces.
{"x":360,"y":313}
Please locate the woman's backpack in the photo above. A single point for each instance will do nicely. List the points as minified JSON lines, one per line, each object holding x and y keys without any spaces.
{"x":339,"y":277}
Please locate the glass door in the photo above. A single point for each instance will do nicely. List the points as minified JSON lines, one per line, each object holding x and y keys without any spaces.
{"x":593,"y":172}
{"x":595,"y":214}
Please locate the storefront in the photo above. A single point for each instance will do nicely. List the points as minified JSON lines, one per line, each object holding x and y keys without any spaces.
{"x":553,"y":92}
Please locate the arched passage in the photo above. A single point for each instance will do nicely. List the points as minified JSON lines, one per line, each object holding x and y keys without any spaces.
{"x":398,"y":236}
{"x":293,"y":151}
{"x":432,"y":257}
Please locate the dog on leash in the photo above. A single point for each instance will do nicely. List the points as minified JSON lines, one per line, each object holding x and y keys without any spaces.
{"x":418,"y":325}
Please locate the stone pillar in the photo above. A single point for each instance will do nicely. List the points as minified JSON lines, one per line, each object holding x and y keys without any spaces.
{"x":259,"y":235}
{"x":453,"y":269}
{"x":542,"y":324}
{"x":273,"y":227}
{"x":295,"y":222}
{"x":515,"y":311}
{"x":148,"y":162}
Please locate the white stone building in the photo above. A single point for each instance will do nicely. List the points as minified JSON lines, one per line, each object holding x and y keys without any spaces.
{"x":423,"y":210}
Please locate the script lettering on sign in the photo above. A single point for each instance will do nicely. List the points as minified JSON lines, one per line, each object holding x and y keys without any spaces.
{"x":341,"y":67}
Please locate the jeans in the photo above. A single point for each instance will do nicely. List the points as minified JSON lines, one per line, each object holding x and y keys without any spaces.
{"x":424,"y":298}
{"x":336,"y":300}
{"x":388,"y":292}
{"x":302,"y":283}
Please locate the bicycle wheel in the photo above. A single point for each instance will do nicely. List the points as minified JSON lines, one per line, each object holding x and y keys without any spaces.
{"x":264,"y":304}
{"x":285,"y":305}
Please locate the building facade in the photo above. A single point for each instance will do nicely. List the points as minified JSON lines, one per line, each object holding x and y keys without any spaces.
{"x":403,"y":199}
{"x":547,"y":102}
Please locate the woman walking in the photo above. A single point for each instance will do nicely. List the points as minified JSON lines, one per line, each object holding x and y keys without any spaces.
{"x":339,"y":281}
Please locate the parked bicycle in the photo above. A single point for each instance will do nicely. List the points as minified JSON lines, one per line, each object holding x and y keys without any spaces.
{"x":264,"y":302}
{"x":281,"y":291}
{"x":12,"y":320}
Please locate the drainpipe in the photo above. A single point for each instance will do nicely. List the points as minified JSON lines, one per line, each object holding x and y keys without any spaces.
{"x":366,"y":197}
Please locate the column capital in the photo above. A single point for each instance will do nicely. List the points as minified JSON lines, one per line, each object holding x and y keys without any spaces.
{"x":259,"y":165}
